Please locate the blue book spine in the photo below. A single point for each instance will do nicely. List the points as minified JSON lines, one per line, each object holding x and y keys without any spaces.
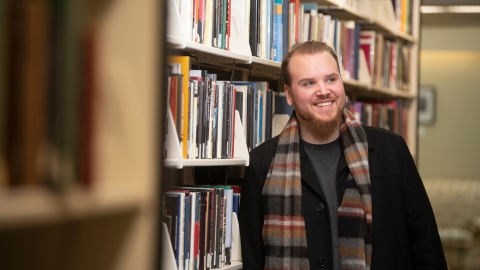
{"x":277,"y":31}
{"x":284,"y":28}
{"x":236,"y":203}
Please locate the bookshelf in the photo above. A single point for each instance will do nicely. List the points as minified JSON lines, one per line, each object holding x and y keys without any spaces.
{"x":375,"y":15}
{"x":109,"y":222}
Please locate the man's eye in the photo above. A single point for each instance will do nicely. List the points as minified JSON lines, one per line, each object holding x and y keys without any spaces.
{"x":331,"y":79}
{"x":307,"y":83}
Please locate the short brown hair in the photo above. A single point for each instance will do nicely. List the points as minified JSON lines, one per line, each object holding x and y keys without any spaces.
{"x":307,"y":47}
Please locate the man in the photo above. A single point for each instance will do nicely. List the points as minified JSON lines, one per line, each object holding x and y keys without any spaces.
{"x":329,"y":193}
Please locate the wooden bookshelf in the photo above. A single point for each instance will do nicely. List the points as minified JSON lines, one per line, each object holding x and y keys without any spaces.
{"x":64,"y":222}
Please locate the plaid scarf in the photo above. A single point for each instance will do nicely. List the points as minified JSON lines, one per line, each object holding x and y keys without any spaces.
{"x":284,"y":231}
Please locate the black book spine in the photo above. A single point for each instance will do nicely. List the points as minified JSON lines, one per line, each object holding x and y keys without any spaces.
{"x":226,"y":121}
{"x":268,"y":115}
{"x":254,"y":25}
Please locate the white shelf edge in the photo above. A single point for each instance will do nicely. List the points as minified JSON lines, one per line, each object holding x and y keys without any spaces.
{"x":266,"y":62}
{"x":356,"y":83}
{"x":202,"y":48}
{"x":381,"y":90}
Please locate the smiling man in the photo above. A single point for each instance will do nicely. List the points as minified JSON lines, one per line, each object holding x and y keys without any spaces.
{"x":328,"y":192}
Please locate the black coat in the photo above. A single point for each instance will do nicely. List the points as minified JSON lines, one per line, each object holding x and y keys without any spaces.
{"x":405,"y":234}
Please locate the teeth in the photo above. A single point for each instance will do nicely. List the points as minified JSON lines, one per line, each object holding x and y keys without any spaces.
{"x":323,"y":104}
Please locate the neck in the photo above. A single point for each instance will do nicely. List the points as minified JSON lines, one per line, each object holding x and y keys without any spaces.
{"x":312,"y":135}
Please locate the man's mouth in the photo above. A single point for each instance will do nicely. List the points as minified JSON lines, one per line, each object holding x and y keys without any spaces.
{"x":324,"y":104}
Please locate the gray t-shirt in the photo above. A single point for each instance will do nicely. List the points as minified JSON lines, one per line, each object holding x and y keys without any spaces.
{"x":324,"y":159}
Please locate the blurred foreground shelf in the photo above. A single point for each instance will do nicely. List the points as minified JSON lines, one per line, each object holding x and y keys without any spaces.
{"x":32,"y":206}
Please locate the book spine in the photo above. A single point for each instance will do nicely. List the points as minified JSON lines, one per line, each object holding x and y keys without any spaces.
{"x":277,"y":31}
{"x":254,"y":24}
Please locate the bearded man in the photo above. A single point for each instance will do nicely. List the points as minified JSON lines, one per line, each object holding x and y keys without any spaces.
{"x":328,"y":192}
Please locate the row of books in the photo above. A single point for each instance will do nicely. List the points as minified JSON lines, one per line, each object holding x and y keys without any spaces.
{"x":203,"y":110}
{"x":206,"y":21}
{"x":387,"y":114}
{"x":387,"y":61}
{"x":199,"y":222}
{"x":46,"y":92}
{"x":272,"y":26}
{"x":403,"y":13}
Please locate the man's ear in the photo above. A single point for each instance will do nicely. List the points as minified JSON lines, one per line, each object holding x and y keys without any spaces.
{"x":288,"y":93}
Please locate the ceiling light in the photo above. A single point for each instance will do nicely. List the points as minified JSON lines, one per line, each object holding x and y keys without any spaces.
{"x":450,"y":9}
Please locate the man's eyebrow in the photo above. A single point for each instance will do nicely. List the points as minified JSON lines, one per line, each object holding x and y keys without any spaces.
{"x":304,"y":80}
{"x":333,"y":74}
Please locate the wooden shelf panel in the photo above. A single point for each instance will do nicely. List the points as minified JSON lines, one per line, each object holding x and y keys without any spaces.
{"x":369,"y":91}
{"x":388,"y":31}
{"x":207,"y":54}
{"x":29,"y":206}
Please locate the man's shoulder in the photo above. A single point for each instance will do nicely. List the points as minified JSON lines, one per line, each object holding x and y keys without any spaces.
{"x":261,"y":157}
{"x":376,"y":134}
{"x":387,"y":142}
{"x":266,"y":149}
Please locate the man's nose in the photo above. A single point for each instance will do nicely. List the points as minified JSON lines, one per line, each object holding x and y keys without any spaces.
{"x":321,"y":89}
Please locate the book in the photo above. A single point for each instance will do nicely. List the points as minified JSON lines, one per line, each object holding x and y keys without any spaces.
{"x":204,"y":195}
{"x":227,"y":120}
{"x":174,"y":206}
{"x":311,"y":8}
{"x":4,"y":26}
{"x":175,"y":101}
{"x":197,"y":82}
{"x":291,"y":27}
{"x":295,"y":22}
{"x":282,"y":113}
{"x":223,"y":24}
{"x":379,"y":55}
{"x":285,"y":28}
{"x":277,"y":54}
{"x":242,"y":105}
{"x":184,"y":62}
{"x":367,"y":45}
{"x":88,"y":97}
{"x":268,"y":115}
{"x":186,"y":15}
{"x":228,"y":225}
{"x":209,"y":19}
{"x":254,"y":96}
{"x":220,"y":120}
{"x":254,"y":29}
{"x":200,"y":20}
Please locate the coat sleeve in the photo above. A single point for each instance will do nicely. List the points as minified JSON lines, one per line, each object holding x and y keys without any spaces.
{"x":425,"y":244}
{"x":251,"y":220}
